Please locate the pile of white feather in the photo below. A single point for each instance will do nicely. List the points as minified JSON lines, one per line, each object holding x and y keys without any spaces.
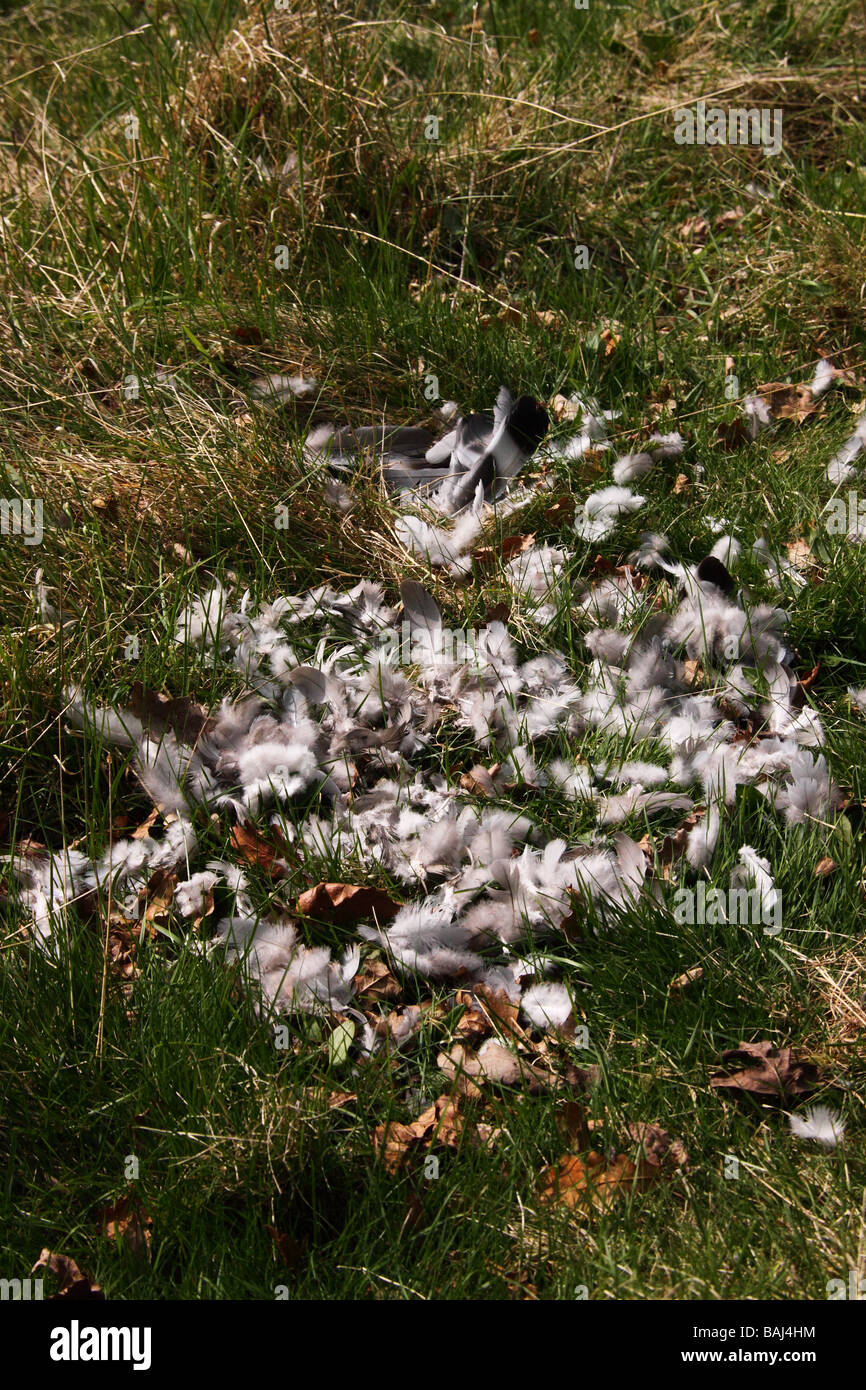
{"x":335,"y":750}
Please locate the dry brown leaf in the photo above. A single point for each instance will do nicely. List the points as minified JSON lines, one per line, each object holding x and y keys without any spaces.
{"x":672,"y":847}
{"x":732,"y":435}
{"x":498,"y":1004}
{"x":288,"y":1249}
{"x":560,"y":511}
{"x":686,"y":980}
{"x":375,"y":981}
{"x":800,"y":554}
{"x":28,"y":848}
{"x":498,"y":613}
{"x":127,"y":1222}
{"x":509,"y":313}
{"x":582,"y":1079}
{"x":338,"y":1099}
{"x":508,"y":547}
{"x":731,"y":218}
{"x":695,"y":229}
{"x":399,"y":1025}
{"x":442,"y":1123}
{"x":809,"y":679}
{"x":658,"y":1147}
{"x":123,"y":939}
{"x":478,"y":781}
{"x":769,"y":1072}
{"x":788,"y":402}
{"x":156,"y":896}
{"x":346,"y":903}
{"x":255,"y":849}
{"x":73,"y":1283}
{"x":518,"y":1281}
{"x":394,"y":1141}
{"x":573,"y":923}
{"x":142,"y":832}
{"x":564,"y":409}
{"x":572,"y":1124}
{"x":474,"y":1024}
{"x":694,"y":673}
{"x":596,"y":1181}
{"x":486,"y":1009}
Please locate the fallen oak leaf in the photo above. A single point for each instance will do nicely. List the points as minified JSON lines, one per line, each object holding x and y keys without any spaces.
{"x":123,"y":942}
{"x":731,"y":218}
{"x":573,"y":924}
{"x":610,"y":339}
{"x":672,"y":848}
{"x":249,"y":336}
{"x":694,"y":673}
{"x":518,"y":1282}
{"x":581,"y":1078}
{"x":346,"y":903}
{"x":394,"y":1141}
{"x":142,"y":832}
{"x":474,"y":1024}
{"x":769,"y":1072}
{"x":498,"y":612}
{"x":695,"y":229}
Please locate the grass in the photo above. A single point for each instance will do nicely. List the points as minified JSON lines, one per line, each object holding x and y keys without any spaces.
{"x":126,"y":257}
